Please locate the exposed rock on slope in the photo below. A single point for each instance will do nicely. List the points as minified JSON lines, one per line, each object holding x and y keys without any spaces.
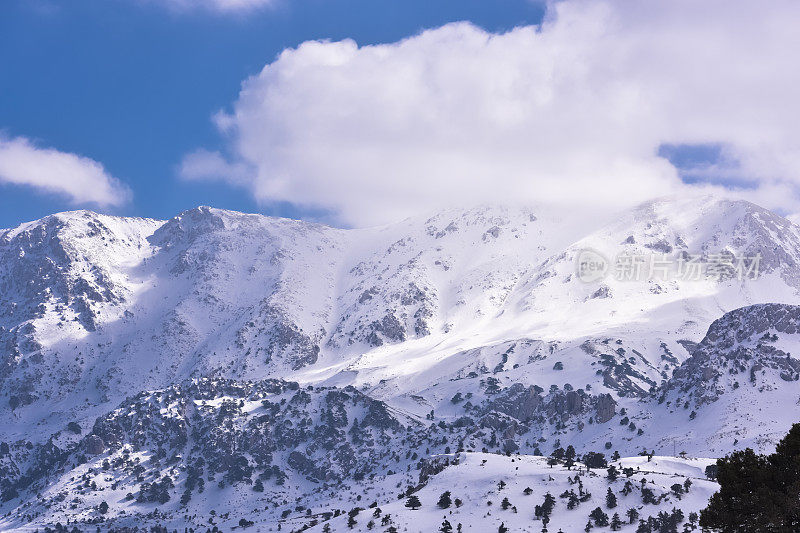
{"x":291,"y":356}
{"x":744,"y":345}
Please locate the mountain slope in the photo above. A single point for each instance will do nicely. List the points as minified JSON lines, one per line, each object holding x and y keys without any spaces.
{"x":96,"y":308}
{"x":283,"y":350}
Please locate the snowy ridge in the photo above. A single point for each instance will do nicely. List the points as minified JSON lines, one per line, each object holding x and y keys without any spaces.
{"x":467,"y":330}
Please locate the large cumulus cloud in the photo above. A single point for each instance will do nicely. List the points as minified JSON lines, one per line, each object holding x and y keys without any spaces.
{"x":574,"y":112}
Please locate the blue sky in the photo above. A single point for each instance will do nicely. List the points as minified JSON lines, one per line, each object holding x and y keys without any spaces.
{"x":134,"y":85}
{"x":363,"y":112}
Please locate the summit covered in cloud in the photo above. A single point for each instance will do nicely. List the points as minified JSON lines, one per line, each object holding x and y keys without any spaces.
{"x":573,"y":111}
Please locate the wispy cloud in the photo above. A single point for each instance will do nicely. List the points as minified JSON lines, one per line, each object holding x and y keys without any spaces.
{"x":80,"y":179}
{"x":574,"y":111}
{"x":203,"y":165}
{"x":221,"y":6}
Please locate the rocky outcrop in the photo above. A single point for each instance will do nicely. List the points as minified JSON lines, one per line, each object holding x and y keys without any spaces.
{"x":94,"y":445}
{"x":388,"y":328}
{"x":528,"y":404}
{"x":605,"y":408}
{"x":748,"y":341}
{"x":518,"y":401}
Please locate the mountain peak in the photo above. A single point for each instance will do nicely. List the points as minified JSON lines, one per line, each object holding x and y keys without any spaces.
{"x":468,"y":328}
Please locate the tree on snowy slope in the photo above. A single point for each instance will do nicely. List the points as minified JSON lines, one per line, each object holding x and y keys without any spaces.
{"x":413,"y":502}
{"x":444,"y":500}
{"x":543,"y":511}
{"x":600,"y":518}
{"x":595,"y":460}
{"x":611,"y":499}
{"x":757,"y":493}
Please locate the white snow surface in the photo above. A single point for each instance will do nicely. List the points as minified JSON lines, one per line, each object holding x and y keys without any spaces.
{"x":249,"y":296}
{"x":94,"y":309}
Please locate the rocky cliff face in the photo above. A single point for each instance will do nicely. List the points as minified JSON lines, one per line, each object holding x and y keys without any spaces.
{"x":741,"y":348}
{"x":60,"y":275}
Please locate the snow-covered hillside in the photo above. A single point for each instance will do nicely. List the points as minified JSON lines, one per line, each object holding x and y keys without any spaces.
{"x":494,"y":490}
{"x":467,"y":330}
{"x":272,"y":453}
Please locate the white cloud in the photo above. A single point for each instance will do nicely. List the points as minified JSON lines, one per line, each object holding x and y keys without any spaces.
{"x":571,"y":112}
{"x":202,"y":165}
{"x":82,"y":180}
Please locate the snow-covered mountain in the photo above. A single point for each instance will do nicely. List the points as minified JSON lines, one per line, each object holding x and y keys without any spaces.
{"x":237,"y":348}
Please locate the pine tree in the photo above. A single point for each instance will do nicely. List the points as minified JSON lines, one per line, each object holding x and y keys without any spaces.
{"x":558,"y":454}
{"x":569,"y":454}
{"x":505,"y":504}
{"x":569,"y":457}
{"x":573,"y":501}
{"x":594,"y":460}
{"x":502,"y":528}
{"x":413,"y":502}
{"x":444,"y":500}
{"x":616,"y":523}
{"x":633,"y":515}
{"x":627,"y":488}
{"x":446,"y":527}
{"x":611,"y":499}
{"x":548,"y":505}
{"x":600,"y":518}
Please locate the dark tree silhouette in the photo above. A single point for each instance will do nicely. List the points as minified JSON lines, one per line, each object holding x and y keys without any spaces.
{"x":595,"y":460}
{"x":611,"y":499}
{"x":444,"y":500}
{"x":757,"y":493}
{"x":600,"y":518}
{"x":413,"y":502}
